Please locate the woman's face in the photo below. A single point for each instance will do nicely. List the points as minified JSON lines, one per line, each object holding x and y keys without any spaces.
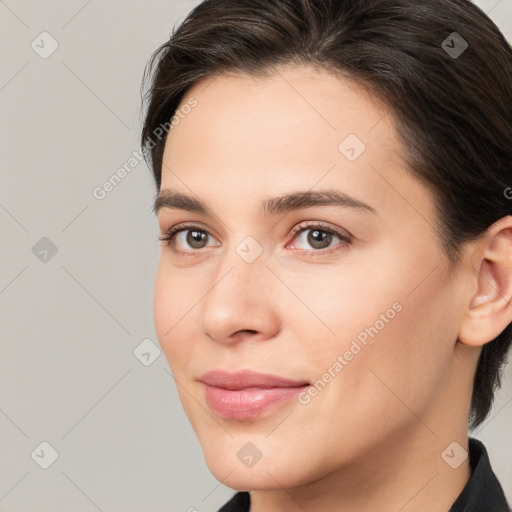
{"x":350,"y":300}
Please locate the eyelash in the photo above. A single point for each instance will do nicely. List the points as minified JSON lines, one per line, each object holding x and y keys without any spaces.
{"x":171,"y":234}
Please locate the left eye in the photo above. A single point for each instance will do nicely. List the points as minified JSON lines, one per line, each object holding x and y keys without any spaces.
{"x":318,"y":237}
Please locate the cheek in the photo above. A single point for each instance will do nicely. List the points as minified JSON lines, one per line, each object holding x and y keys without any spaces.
{"x":161,"y":295}
{"x":396,"y":347}
{"x":162,"y":304}
{"x":172,"y":299}
{"x":392,"y":326}
{"x":355,"y":305}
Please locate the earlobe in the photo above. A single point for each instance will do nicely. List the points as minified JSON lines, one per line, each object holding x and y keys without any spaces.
{"x":489,"y":310}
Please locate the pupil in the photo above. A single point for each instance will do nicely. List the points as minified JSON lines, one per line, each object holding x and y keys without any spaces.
{"x":318,"y":238}
{"x":195,"y":237}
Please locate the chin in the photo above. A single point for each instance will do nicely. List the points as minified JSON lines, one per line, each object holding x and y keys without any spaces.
{"x":251,"y":479}
{"x":273,"y":470}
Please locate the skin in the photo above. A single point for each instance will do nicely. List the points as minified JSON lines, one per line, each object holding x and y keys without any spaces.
{"x":372,"y":438}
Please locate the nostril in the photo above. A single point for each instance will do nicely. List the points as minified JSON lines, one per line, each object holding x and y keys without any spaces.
{"x":244,"y":331}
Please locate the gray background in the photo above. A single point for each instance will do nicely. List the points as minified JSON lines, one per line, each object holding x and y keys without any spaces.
{"x":70,"y":323}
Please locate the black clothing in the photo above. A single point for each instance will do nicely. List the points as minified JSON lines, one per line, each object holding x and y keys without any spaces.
{"x":482,"y":493}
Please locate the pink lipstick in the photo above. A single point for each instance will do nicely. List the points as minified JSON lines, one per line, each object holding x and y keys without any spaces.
{"x":246,"y":394}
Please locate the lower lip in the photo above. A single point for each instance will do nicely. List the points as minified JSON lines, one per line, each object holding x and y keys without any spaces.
{"x":247,"y":403}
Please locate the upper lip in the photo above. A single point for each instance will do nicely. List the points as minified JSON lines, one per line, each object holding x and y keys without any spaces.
{"x":247,"y":379}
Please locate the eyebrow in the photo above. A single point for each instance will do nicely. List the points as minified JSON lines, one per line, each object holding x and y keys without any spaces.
{"x":271,"y":206}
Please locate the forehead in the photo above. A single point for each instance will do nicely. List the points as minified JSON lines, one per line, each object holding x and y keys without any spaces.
{"x":302,"y":102}
{"x":301,"y":127}
{"x":297,"y":112}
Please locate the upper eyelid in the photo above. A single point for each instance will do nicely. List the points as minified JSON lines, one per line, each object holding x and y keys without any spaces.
{"x":305,"y":225}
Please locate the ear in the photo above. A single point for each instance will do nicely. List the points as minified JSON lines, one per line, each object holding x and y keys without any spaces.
{"x":489,"y":309}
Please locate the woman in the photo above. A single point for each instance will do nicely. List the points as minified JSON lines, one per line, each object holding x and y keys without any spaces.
{"x":333,"y":289}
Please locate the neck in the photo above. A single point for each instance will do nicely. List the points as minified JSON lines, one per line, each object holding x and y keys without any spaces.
{"x":406,"y":474}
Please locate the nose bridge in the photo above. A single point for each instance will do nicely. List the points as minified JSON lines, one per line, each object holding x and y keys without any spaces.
{"x":242,"y":268}
{"x":238,"y":298}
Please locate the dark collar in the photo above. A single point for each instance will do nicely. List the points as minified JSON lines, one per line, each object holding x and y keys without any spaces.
{"x":482,"y":493}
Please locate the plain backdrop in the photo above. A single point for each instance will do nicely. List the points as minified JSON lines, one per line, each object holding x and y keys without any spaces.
{"x":77,"y":273}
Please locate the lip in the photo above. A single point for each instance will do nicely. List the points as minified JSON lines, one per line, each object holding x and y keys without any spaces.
{"x":246,"y":394}
{"x":247,"y":379}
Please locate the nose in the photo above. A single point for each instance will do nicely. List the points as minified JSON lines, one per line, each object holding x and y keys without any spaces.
{"x":242,"y":302}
